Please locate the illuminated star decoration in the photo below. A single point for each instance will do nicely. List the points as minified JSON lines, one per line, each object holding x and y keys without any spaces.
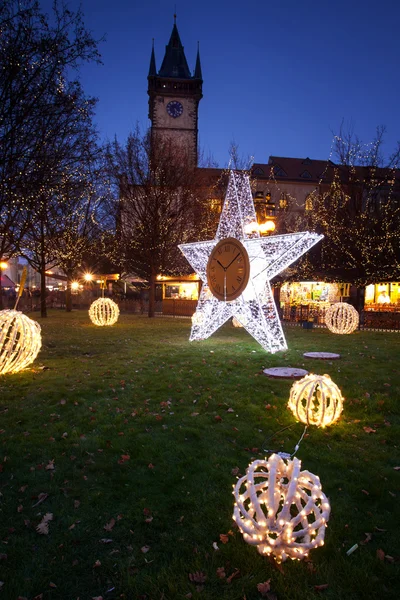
{"x":255,"y":308}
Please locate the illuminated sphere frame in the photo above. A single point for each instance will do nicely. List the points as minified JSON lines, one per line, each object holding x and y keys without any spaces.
{"x":104,"y":311}
{"x":316,"y":400}
{"x":341,"y":318}
{"x":280,"y":509}
{"x":20,"y":341}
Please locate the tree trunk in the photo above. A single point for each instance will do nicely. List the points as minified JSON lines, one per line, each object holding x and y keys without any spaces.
{"x":1,"y":293}
{"x":43,"y":291}
{"x":360,"y":301}
{"x":152,"y":295}
{"x":68,"y":296}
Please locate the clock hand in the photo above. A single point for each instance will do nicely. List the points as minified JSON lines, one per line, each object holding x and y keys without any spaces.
{"x":221,"y":265}
{"x":233,"y":260}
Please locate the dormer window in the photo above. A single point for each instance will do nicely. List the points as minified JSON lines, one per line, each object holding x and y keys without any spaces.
{"x":305,"y":175}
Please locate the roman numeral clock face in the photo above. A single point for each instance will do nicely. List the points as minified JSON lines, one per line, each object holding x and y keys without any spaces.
{"x":228,"y":269}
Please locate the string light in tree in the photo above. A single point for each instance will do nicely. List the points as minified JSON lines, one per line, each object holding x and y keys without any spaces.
{"x":341,"y":318}
{"x":316,"y":400}
{"x":237,"y":266}
{"x":280,"y":509}
{"x":20,"y":341}
{"x":103,"y":311}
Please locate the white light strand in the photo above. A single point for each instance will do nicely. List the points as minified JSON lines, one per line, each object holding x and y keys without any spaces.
{"x":20,"y":341}
{"x":316,"y":400}
{"x":255,"y":307}
{"x":341,"y":318}
{"x":280,"y":509}
{"x":103,"y":311}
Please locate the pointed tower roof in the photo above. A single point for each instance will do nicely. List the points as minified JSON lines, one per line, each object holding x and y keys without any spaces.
{"x":174,"y":63}
{"x":197,"y":70}
{"x":152,"y":69}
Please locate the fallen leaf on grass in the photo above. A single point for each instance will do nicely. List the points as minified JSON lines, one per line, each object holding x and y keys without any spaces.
{"x":110,"y":525}
{"x":97,"y":564}
{"x":76,"y":503}
{"x":369,"y":430}
{"x":367,"y":539}
{"x":50,"y":466}
{"x":380,"y":554}
{"x":235,"y":471}
{"x":41,"y":498}
{"x":264,"y":588}
{"x":396,"y":468}
{"x":221,"y":573}
{"x":124,"y":458}
{"x":224,"y":538}
{"x":43,"y":527}
{"x":105,"y":540}
{"x":197,"y":577}
{"x":235,"y":573}
{"x":321,"y":588}
{"x":218,"y":418}
{"x":215,"y":546}
{"x":52,"y":585}
{"x":145,"y":549}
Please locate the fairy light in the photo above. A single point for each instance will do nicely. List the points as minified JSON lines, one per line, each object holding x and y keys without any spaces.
{"x":103,"y":311}
{"x":341,"y":318}
{"x":275,"y":510}
{"x":255,"y":308}
{"x":20,"y":341}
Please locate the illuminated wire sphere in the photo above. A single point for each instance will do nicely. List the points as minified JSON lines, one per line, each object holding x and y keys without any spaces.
{"x":280,"y":509}
{"x":20,"y":341}
{"x":103,"y":311}
{"x":316,"y":400}
{"x":341,"y":318}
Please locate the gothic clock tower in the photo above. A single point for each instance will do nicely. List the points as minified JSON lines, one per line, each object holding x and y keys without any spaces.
{"x":174,"y":96}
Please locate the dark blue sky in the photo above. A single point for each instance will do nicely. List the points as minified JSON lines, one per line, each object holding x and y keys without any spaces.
{"x":279,"y":77}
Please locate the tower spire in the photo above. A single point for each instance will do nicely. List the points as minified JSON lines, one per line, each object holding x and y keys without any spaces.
{"x":152,"y":69}
{"x":197,"y":70}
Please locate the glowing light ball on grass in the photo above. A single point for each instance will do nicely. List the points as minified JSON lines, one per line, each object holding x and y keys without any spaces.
{"x":316,"y":400}
{"x":341,"y":318}
{"x":103,"y":311}
{"x":20,"y":341}
{"x":280,"y":509}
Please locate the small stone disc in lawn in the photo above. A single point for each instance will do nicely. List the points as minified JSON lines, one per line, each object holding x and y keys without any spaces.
{"x":322,"y":355}
{"x":285,"y":372}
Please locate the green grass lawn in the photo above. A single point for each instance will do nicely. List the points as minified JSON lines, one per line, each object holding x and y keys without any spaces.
{"x":132,"y":437}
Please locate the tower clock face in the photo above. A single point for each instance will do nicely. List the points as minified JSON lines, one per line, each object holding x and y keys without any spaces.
{"x":174,"y":109}
{"x":228,"y":269}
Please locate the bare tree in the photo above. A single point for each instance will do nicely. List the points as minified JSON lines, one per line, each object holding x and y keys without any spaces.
{"x":158,"y":198}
